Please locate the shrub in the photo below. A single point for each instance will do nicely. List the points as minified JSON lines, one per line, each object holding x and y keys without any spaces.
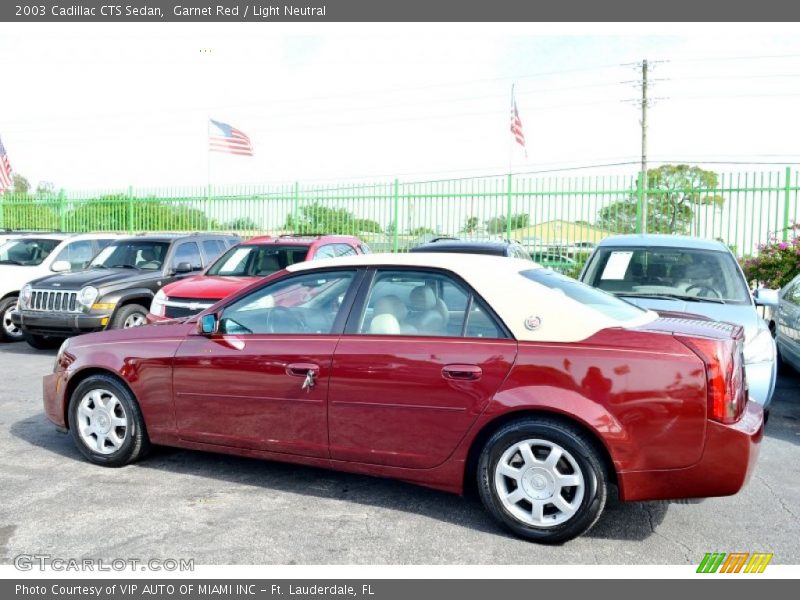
{"x":776,"y":264}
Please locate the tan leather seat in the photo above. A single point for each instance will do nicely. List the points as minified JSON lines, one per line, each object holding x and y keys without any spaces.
{"x":384,"y":324}
{"x":424,"y":314}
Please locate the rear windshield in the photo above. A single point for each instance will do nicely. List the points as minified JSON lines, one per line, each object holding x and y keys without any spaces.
{"x":257,"y":261}
{"x":604,"y":303}
{"x":679,"y":273}
{"x":26,"y":251}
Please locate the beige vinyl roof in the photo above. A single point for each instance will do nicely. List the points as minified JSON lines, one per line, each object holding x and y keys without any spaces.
{"x":515,"y":298}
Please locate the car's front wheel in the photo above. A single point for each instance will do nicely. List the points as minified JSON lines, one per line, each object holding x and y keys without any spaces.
{"x":130,"y":315}
{"x":543,"y":479}
{"x":106,"y":423}
{"x":8,"y":331}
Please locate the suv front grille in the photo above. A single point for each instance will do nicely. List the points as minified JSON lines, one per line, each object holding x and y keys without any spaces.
{"x":53,"y":301}
{"x":175,"y":308}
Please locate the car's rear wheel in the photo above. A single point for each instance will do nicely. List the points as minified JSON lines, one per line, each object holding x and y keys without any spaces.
{"x":130,"y":315}
{"x":41,"y":342}
{"x":8,"y":331}
{"x":106,"y":423}
{"x":543,"y":479}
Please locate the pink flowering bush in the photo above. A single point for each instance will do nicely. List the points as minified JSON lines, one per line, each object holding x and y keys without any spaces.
{"x":777,"y":262}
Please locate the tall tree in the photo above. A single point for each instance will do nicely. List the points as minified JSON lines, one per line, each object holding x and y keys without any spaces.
{"x":673,"y":194}
{"x":21,"y":185}
{"x":316,"y":218}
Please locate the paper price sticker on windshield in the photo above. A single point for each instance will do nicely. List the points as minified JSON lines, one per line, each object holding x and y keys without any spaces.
{"x":616,"y":265}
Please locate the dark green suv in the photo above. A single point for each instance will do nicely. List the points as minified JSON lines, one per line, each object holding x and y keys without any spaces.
{"x":116,"y":289}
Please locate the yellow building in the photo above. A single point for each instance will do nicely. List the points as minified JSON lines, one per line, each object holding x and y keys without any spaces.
{"x":558,"y":233}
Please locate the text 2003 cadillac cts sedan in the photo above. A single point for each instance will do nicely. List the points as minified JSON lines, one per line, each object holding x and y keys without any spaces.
{"x":435,"y":369}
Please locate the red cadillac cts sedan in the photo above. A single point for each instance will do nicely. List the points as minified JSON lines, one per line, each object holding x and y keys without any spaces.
{"x":435,"y":369}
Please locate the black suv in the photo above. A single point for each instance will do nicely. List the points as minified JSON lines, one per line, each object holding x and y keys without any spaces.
{"x":116,"y":289}
{"x":496,"y":248}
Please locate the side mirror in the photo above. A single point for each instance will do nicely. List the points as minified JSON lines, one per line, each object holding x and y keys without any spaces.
{"x":765,"y":297}
{"x":61,"y":266}
{"x":183,"y":267}
{"x":208,"y":324}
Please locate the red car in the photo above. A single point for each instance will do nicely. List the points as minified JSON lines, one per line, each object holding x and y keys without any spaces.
{"x":434,"y":369}
{"x":244,"y":264}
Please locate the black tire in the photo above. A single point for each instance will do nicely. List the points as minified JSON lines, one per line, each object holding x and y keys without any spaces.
{"x":134,"y":445}
{"x":8,"y":332}
{"x":584,"y":455}
{"x":126,"y":312}
{"x":42,"y":342}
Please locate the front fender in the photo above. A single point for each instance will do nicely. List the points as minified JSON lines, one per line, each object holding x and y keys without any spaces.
{"x":142,"y":359}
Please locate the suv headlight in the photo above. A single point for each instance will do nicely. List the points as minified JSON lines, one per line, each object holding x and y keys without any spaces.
{"x":760,"y":349}
{"x":87,"y":296}
{"x":25,"y":296}
{"x":157,"y":306}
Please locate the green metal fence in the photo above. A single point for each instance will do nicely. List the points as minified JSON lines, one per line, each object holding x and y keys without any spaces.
{"x":548,"y":214}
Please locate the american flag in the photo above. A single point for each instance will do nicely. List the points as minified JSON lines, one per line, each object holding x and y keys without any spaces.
{"x":224,"y":138}
{"x":516,"y":123}
{"x":5,"y":169}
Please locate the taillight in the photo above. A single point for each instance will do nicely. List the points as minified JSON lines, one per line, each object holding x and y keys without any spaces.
{"x":727,"y":392}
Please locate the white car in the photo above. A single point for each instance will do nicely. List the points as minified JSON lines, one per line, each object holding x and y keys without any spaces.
{"x":23,"y":258}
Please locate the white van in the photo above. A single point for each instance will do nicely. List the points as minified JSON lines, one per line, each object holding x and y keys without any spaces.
{"x":34,"y":255}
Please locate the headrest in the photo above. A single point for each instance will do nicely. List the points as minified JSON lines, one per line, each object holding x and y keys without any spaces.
{"x":147,"y":254}
{"x":384,"y":324}
{"x":699,"y":271}
{"x":268,"y":264}
{"x":391,"y":305}
{"x":422,"y":298}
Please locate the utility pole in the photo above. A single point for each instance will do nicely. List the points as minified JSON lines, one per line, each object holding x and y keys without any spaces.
{"x":644,"y":145}
{"x":643,"y":102}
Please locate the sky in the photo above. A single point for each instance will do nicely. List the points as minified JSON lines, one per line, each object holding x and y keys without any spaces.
{"x":90,"y":106}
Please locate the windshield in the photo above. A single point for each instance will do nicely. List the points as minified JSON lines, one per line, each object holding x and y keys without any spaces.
{"x":257,"y":261}
{"x":26,"y":251}
{"x":604,"y":303}
{"x":678,"y":273}
{"x":135,"y":254}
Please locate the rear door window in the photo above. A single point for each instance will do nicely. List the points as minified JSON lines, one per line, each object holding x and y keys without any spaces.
{"x":213,"y":248}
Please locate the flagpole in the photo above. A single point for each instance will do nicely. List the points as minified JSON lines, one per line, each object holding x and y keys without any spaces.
{"x":511,"y":137}
{"x":208,"y":175}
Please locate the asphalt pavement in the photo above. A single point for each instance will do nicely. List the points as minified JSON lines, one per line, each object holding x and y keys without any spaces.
{"x":226,"y":510}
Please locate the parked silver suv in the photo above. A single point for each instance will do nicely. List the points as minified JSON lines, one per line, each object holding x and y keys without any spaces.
{"x":689,"y":275}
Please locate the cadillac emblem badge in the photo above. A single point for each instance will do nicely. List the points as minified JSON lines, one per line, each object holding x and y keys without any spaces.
{"x":533,"y":323}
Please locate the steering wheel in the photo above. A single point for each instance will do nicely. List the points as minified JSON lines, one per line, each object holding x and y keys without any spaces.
{"x":704,"y":291}
{"x":283,"y":320}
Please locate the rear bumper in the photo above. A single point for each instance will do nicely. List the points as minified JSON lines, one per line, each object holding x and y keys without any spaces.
{"x":728,"y":461}
{"x":53,"y":391}
{"x":59,"y":324}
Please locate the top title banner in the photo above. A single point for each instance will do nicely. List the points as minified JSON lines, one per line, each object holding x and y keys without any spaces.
{"x":400,"y":10}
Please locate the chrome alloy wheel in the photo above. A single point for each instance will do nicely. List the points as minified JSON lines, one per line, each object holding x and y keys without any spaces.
{"x":102,"y":422}
{"x":8,"y":325}
{"x":134,"y":320}
{"x":539,"y":483}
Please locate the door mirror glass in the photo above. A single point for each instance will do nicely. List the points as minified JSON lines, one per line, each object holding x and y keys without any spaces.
{"x":207,"y":324}
{"x":765,"y":297}
{"x":61,"y":266}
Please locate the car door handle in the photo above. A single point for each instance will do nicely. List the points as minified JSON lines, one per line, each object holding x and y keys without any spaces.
{"x":302,"y":369}
{"x":462,"y":372}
